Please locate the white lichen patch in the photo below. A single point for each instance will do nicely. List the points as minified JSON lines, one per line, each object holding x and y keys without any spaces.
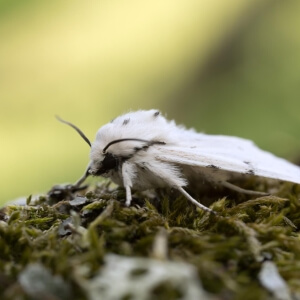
{"x":140,"y":278}
{"x":271,"y":280}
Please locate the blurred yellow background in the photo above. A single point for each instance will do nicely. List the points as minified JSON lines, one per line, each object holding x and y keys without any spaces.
{"x":224,"y":67}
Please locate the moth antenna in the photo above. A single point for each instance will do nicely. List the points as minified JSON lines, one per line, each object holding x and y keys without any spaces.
{"x":76,"y":128}
{"x":150,"y":143}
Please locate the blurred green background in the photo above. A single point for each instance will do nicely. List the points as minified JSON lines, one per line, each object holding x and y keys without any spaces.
{"x":223,"y":67}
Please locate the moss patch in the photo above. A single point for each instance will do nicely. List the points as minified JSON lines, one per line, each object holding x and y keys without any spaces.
{"x":68,"y":241}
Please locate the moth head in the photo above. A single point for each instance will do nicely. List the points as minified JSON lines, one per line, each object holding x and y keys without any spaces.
{"x":101,"y":163}
{"x":103,"y":159}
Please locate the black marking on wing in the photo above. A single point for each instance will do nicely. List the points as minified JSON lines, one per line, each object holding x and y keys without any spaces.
{"x":250,"y":172}
{"x":156,"y":114}
{"x":143,"y":167}
{"x":137,"y":149}
{"x":212,"y":167}
{"x":126,"y":121}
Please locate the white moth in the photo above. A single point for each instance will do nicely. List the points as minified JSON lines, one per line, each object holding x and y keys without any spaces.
{"x":142,"y":150}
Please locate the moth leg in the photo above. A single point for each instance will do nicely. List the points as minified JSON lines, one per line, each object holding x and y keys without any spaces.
{"x":194,"y":201}
{"x":128,"y":195}
{"x":127,"y":174}
{"x":241,"y":190}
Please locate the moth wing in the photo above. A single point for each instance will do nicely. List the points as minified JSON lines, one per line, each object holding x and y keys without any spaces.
{"x":231,"y":154}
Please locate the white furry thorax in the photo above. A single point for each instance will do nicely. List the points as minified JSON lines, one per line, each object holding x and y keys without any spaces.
{"x":147,"y":125}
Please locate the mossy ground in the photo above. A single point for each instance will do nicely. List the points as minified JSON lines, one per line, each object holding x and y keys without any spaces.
{"x":71,"y":238}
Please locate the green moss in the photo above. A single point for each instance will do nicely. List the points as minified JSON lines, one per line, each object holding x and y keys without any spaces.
{"x":71,"y":239}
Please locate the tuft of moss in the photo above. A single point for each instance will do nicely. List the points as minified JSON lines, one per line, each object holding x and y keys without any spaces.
{"x":64,"y":242}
